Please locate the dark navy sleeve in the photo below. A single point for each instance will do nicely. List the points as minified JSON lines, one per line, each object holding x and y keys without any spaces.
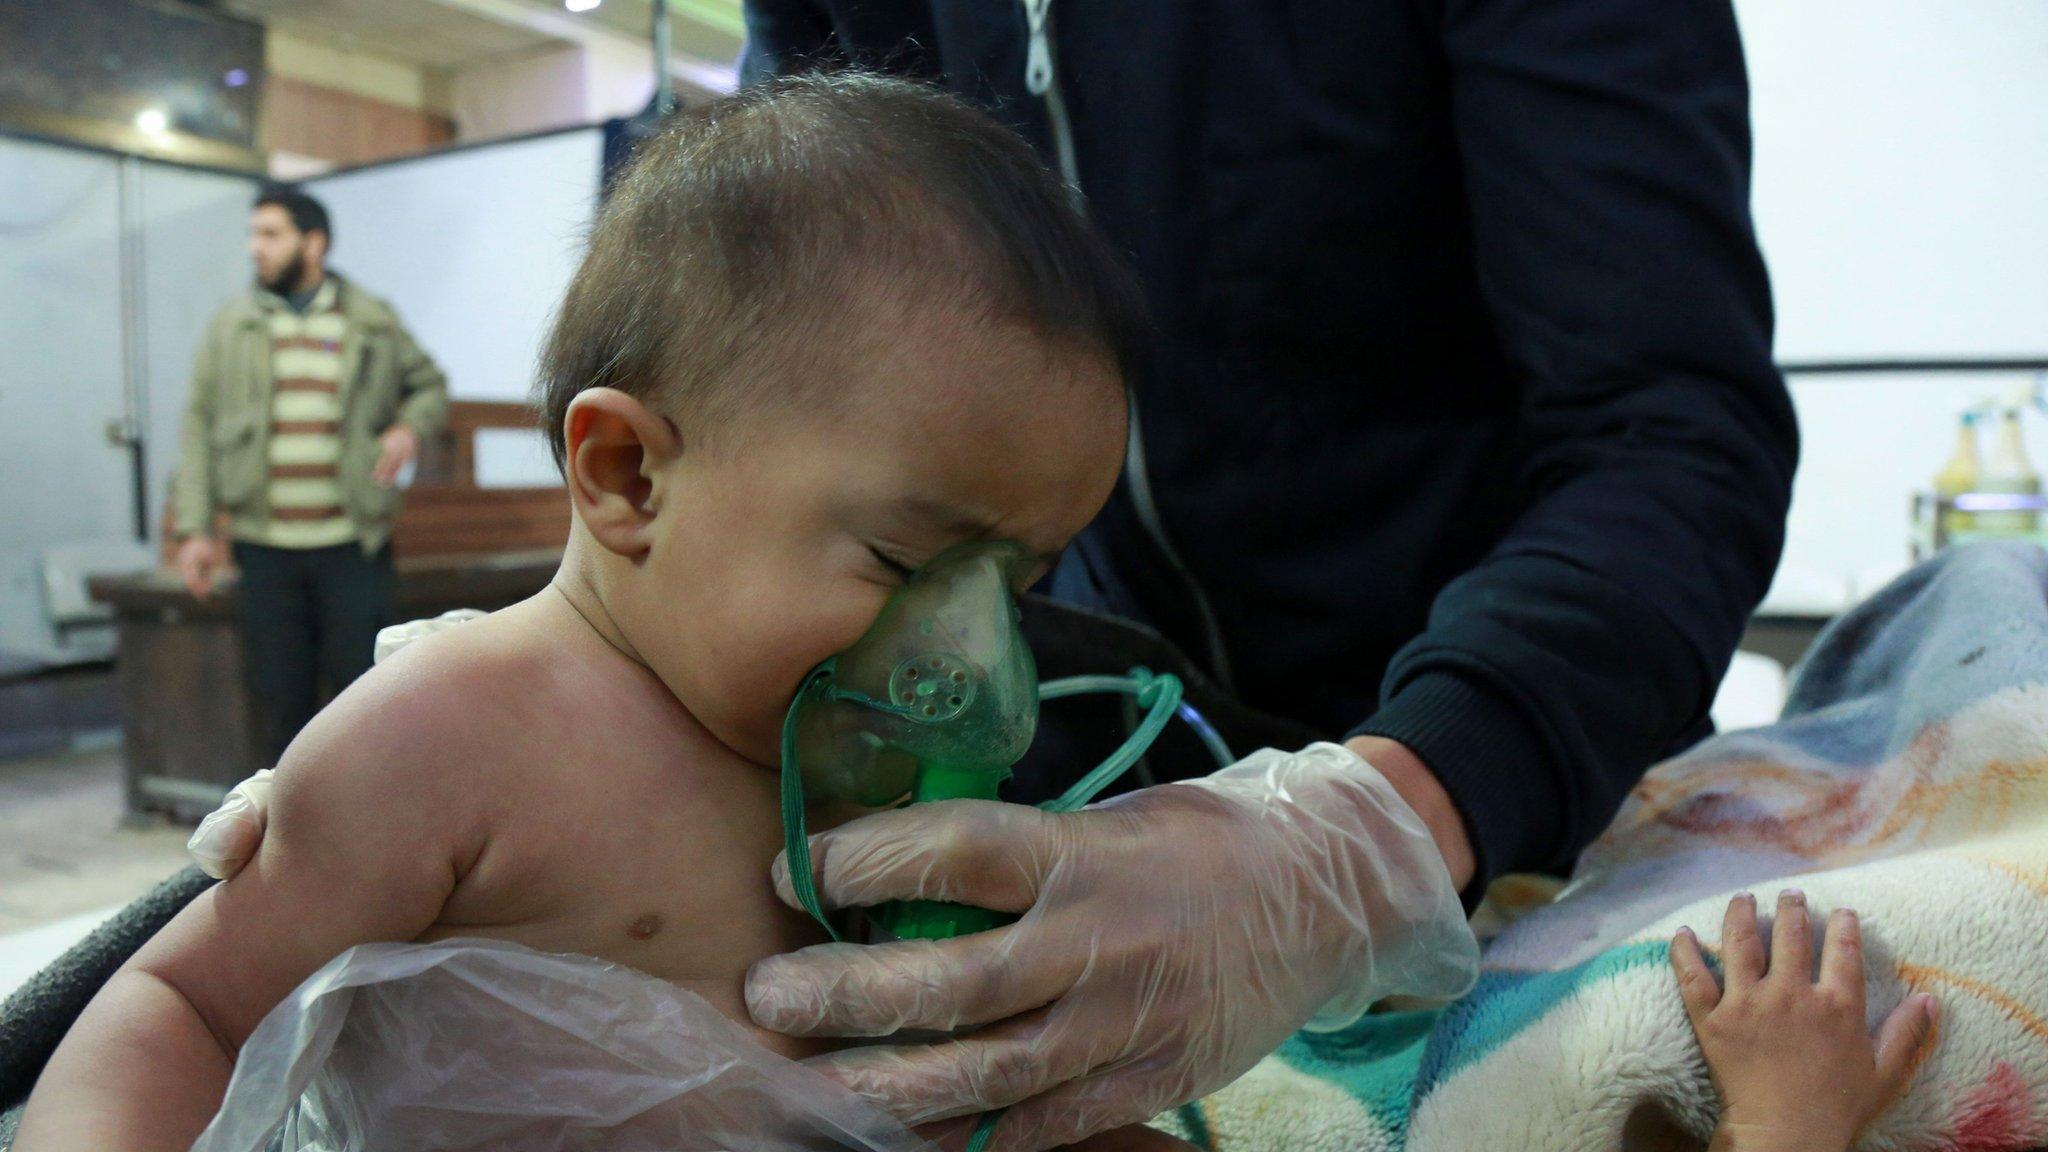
{"x":1605,"y":153}
{"x":782,"y":36}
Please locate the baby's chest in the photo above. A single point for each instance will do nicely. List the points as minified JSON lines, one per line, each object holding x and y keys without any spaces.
{"x":674,"y":882}
{"x":679,"y":934}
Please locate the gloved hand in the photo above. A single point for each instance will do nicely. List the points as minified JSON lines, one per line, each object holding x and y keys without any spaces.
{"x":1171,"y":938}
{"x":228,"y":837}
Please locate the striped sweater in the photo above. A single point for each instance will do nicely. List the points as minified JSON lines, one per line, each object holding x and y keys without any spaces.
{"x":307,"y":505}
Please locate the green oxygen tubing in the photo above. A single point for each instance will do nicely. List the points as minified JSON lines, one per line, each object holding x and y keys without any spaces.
{"x":938,"y":700}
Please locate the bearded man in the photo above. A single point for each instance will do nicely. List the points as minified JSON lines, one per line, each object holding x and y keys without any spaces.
{"x":308,"y":400}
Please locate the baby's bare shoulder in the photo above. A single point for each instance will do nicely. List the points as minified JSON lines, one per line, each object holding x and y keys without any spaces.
{"x":462,"y":684}
{"x":437,"y":727}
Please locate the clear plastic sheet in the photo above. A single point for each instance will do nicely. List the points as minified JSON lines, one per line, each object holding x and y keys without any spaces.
{"x":475,"y":1044}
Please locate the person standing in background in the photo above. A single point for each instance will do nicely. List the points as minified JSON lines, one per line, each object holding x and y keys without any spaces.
{"x":308,"y":399}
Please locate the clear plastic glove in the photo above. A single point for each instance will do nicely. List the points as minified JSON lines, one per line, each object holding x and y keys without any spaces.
{"x":397,"y":636}
{"x":228,"y":837}
{"x":1170,"y":939}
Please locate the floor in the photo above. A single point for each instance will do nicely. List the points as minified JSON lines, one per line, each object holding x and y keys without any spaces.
{"x":65,"y":849}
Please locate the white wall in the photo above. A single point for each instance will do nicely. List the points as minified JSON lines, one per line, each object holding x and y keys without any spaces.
{"x":62,"y":352}
{"x":60,"y":372}
{"x":474,"y":248}
{"x":1902,"y":174}
{"x":1902,"y":201}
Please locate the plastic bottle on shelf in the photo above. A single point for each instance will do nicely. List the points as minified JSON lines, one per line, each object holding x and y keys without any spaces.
{"x":1956,"y":477}
{"x":2008,"y":472}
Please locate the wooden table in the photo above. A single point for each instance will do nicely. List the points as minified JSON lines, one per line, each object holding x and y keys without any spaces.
{"x":191,"y":731}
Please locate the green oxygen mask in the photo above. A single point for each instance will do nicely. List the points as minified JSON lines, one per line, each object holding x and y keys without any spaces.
{"x":937,"y":701}
{"x":938,"y":698}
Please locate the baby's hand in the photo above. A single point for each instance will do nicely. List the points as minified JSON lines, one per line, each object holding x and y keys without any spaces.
{"x":1791,"y":1058}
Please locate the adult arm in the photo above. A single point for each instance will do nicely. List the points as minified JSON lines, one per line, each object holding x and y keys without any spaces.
{"x":1605,"y":147}
{"x":192,"y":484}
{"x":422,"y":386}
{"x":199,"y":557}
{"x":422,"y":408}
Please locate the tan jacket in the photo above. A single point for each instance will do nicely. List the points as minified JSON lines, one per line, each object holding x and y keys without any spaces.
{"x":224,"y":451}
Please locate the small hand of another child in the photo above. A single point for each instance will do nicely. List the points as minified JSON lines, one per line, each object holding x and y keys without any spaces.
{"x":1792,"y":1058}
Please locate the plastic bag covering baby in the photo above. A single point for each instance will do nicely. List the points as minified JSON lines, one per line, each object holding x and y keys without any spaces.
{"x":473,"y":1044}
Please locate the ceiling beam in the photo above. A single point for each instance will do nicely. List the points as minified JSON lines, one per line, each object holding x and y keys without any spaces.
{"x":714,"y":77}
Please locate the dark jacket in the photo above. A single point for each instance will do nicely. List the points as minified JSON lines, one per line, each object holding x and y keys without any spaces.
{"x":1466,"y":422}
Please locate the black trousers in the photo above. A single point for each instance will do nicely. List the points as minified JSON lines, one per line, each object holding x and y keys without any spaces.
{"x":309,"y":622}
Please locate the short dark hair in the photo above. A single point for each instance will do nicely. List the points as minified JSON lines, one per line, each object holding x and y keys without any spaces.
{"x":308,"y":214}
{"x":744,"y":230}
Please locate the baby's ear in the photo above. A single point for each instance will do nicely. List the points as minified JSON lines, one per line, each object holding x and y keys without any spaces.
{"x":614,"y":447}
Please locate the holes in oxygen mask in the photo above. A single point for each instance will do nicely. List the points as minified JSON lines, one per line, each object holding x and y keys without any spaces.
{"x":932,"y":687}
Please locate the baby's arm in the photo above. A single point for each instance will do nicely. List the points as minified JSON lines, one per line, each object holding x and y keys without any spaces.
{"x":363,"y":846}
{"x":1792,"y":1058}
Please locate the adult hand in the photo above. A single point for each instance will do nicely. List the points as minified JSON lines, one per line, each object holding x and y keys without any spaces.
{"x":1170,"y":938}
{"x":200,"y":559}
{"x":397,"y":447}
{"x":227,"y":838}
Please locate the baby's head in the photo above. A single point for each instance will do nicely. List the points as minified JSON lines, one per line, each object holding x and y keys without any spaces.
{"x":825,"y":330}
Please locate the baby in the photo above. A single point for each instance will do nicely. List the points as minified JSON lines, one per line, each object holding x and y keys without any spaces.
{"x":824,"y":332}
